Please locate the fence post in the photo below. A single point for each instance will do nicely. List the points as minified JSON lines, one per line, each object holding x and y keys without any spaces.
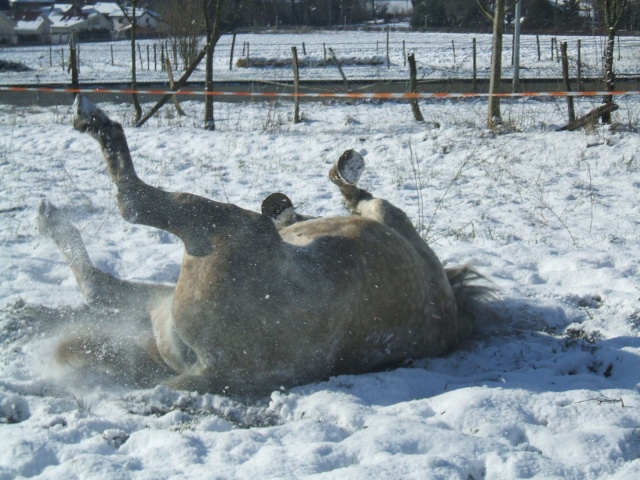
{"x":337,"y":62}
{"x":475,"y":69}
{"x":140,"y":56}
{"x":538,"y":42}
{"x":296,"y":85}
{"x":579,"y":66}
{"x":324,"y":49}
{"x":453,"y":45}
{"x":567,"y":85}
{"x":171,"y":85}
{"x":404,"y":53}
{"x":415,"y":108}
{"x":388,"y":58}
{"x":233,"y":46}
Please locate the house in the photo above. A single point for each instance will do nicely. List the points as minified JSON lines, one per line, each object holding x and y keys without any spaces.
{"x":7,"y":31}
{"x":148,"y":23}
{"x":88,"y":24}
{"x":31,"y":27}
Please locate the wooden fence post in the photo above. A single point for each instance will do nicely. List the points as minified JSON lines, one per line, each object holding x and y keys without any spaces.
{"x":388,"y":57}
{"x":233,"y":46}
{"x":475,"y":67}
{"x":296,"y":85}
{"x":567,"y":85}
{"x":337,"y":62}
{"x":415,"y":108}
{"x":140,"y":56}
{"x":538,"y":42}
{"x":404,"y":53}
{"x":171,"y":85}
{"x":579,"y":66}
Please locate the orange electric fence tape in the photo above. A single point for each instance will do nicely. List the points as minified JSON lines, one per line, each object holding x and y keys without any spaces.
{"x":383,"y":96}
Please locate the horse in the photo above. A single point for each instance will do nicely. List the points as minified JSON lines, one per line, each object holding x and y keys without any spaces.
{"x":263,"y":301}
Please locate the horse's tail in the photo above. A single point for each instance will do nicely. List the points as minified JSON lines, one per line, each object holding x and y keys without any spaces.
{"x":475,"y":299}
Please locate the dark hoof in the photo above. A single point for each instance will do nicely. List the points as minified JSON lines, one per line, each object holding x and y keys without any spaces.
{"x":348,"y":169}
{"x":275,"y":204}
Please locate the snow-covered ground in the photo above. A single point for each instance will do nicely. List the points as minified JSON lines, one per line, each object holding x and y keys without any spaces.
{"x":439,"y":55}
{"x":551,"y":218}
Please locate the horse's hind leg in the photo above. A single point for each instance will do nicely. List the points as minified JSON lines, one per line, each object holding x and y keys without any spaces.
{"x":189,"y":217}
{"x":98,"y":287}
{"x":345,"y":174}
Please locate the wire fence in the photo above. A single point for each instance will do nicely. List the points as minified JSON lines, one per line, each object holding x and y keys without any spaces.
{"x":363,"y":55}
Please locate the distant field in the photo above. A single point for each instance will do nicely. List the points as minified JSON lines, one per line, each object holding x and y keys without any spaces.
{"x":438,"y":56}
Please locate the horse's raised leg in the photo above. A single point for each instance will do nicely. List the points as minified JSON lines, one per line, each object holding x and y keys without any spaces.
{"x":345,"y":174}
{"x":99,"y":288}
{"x":187,"y":216}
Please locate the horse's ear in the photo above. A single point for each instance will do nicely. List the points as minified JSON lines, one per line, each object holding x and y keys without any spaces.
{"x":275,"y":204}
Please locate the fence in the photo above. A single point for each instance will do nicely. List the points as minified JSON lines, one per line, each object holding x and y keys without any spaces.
{"x":364,"y":56}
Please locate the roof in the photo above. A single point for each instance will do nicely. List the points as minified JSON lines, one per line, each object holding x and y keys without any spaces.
{"x":105,"y":8}
{"x":28,"y":22}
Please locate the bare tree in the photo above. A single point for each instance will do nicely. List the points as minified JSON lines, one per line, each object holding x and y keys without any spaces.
{"x":186,"y":27}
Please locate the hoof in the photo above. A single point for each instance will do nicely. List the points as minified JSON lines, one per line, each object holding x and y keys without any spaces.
{"x":348,"y":168}
{"x":49,"y":218}
{"x":275,"y":204}
{"x":86,"y":114}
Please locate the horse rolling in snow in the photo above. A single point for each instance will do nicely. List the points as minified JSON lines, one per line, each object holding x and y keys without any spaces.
{"x":264,"y":301}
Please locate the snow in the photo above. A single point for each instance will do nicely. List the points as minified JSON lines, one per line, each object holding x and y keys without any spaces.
{"x":551,"y":218}
{"x":439,"y":55}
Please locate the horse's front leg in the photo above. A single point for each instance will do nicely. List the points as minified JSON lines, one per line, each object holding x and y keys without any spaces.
{"x":187,"y":216}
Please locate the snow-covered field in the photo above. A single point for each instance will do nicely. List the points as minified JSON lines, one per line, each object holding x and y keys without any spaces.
{"x":439,"y":55}
{"x":551,"y":218}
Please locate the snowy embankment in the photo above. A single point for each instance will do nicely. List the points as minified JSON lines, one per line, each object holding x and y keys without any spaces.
{"x":552,"y":219}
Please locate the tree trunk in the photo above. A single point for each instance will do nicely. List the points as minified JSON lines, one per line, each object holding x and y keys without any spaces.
{"x":609,"y":74}
{"x":213,"y":33}
{"x":495,"y":83}
{"x":134,"y":84}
